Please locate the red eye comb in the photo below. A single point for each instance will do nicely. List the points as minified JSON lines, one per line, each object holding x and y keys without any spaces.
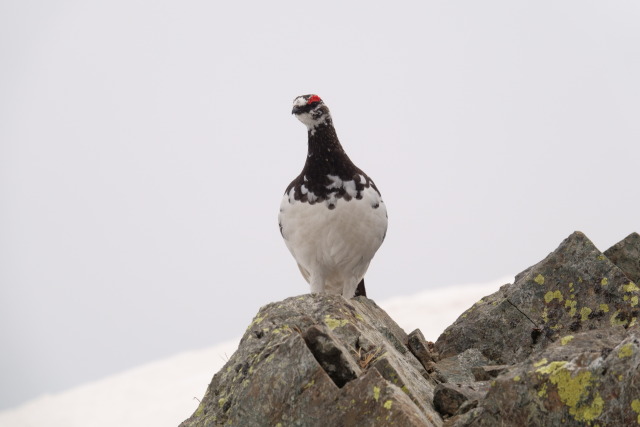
{"x":314,"y":98}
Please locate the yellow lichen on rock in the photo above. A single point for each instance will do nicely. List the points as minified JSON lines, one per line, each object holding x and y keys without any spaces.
{"x":630,"y":287}
{"x":573,"y":390}
{"x":635,"y":405}
{"x":334,"y":323}
{"x":625,"y":351}
{"x":545,"y":315}
{"x":387,"y":405}
{"x":604,"y":281}
{"x":550,"y":296}
{"x":540,"y":362}
{"x":566,"y":339}
{"x":614,"y":321}
{"x":539,"y":279}
{"x":376,"y":393}
{"x":200,"y":410}
{"x":256,"y":321}
{"x":584,"y":313}
{"x":543,"y":390}
{"x":551,"y":367}
{"x":604,"y":308}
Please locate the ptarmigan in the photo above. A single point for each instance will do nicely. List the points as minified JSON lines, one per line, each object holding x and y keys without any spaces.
{"x":332,"y":216}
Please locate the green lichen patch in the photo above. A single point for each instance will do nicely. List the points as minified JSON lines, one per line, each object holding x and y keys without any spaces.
{"x":625,"y":351}
{"x":604,"y":308}
{"x":604,"y":281}
{"x":635,"y":405}
{"x":540,"y":362}
{"x":574,"y":389}
{"x":387,"y":405}
{"x":200,"y":411}
{"x":543,"y":390}
{"x":545,"y":315}
{"x":630,"y":287}
{"x":584,"y":313}
{"x":539,"y":279}
{"x":566,"y":339}
{"x":256,"y":321}
{"x":551,"y":367}
{"x":614,"y":321}
{"x":376,"y":393}
{"x":334,"y":323}
{"x":280,"y":330}
{"x":551,"y":295}
{"x":571,"y":305}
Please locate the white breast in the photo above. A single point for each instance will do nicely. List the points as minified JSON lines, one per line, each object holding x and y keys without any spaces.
{"x":333,"y":247}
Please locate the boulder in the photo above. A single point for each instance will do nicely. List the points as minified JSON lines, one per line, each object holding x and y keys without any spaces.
{"x":318,"y":360}
{"x":575,"y":288}
{"x":559,"y":346}
{"x":626,"y":255}
{"x":590,"y":378}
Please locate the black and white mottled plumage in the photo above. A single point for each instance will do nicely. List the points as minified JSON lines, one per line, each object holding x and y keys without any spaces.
{"x":332,"y":216}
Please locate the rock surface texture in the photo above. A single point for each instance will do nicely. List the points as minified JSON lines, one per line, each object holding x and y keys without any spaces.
{"x":559,"y":346}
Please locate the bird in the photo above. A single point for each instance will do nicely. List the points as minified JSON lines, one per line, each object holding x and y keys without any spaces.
{"x":332,"y":216}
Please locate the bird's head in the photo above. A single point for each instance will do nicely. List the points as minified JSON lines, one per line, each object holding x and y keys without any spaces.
{"x":310,"y":110}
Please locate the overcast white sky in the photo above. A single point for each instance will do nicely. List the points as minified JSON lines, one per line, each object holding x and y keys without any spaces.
{"x":145,"y":145}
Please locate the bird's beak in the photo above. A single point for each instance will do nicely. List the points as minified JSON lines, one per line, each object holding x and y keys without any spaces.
{"x":296,"y":109}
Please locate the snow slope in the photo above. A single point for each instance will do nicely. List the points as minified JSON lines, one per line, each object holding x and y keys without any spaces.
{"x":164,"y":393}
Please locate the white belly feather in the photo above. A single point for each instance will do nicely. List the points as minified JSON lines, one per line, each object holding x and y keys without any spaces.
{"x":333,"y":247}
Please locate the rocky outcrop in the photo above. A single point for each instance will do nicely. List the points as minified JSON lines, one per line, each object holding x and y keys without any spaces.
{"x":326,"y":361}
{"x":560,"y":345}
{"x":565,"y":337}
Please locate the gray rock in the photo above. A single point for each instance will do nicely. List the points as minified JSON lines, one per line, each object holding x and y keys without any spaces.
{"x":591,"y":378}
{"x":559,"y":346}
{"x":422,"y":350}
{"x":320,"y":360}
{"x":626,"y":255}
{"x":484,"y":373}
{"x":449,"y":399}
{"x":332,"y":356}
{"x":575,"y":288}
{"x":579,"y":363}
{"x":459,"y":368}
